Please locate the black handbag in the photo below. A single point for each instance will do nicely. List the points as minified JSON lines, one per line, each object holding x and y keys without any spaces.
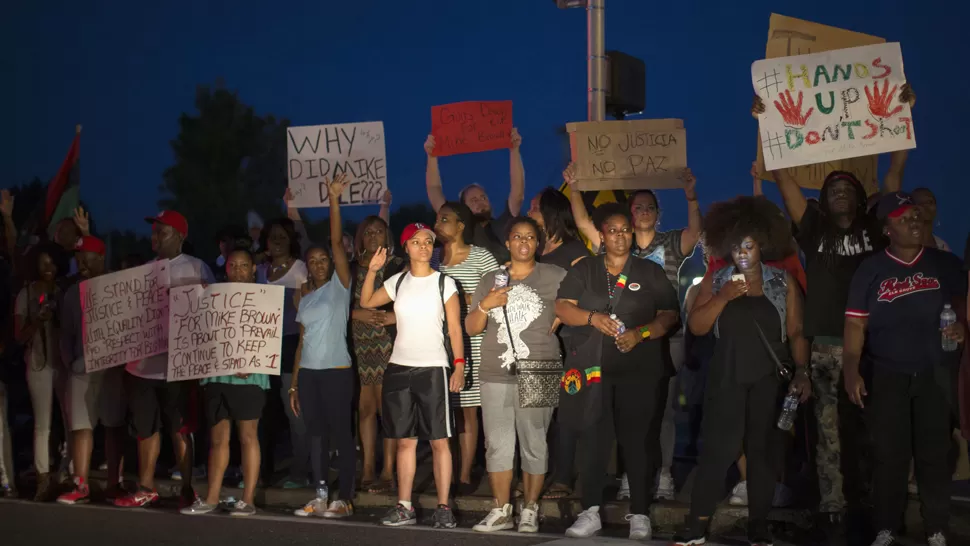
{"x":538,"y":380}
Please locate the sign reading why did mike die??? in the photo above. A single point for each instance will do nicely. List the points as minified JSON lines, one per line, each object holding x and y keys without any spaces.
{"x":319,"y":153}
{"x":832,"y":105}
{"x":629,"y":154}
{"x":224,"y":329}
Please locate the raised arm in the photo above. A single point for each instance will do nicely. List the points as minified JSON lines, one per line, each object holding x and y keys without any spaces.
{"x":516,"y":174}
{"x":370,"y":298}
{"x":692,"y":234}
{"x":755,"y":180}
{"x":385,"y":212}
{"x":791,"y":194}
{"x":893,"y":182}
{"x":432,"y":176}
{"x":340,"y":263}
{"x":583,"y":221}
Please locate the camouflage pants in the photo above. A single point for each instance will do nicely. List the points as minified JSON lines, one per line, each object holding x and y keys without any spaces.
{"x":842,"y":434}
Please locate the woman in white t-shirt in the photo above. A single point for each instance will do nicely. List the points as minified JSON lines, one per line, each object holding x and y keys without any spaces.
{"x":283,"y":267}
{"x":415,"y":397}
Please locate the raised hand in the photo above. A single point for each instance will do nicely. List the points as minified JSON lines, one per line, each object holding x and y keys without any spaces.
{"x":879,"y":102}
{"x":516,"y":139}
{"x":906,"y":94}
{"x":757,"y":107}
{"x":791,"y":112}
{"x":386,"y":198}
{"x":6,"y":203}
{"x":378,"y":260}
{"x":429,"y":145}
{"x":569,"y":175}
{"x":690,"y":184}
{"x":337,"y":186}
{"x":82,"y":220}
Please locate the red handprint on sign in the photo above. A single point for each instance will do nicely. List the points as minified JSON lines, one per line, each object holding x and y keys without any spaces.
{"x":879,"y":102}
{"x":791,"y":112}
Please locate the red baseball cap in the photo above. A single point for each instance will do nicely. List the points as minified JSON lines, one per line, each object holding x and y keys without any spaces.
{"x":171,"y":218}
{"x":414,"y":229}
{"x":88,"y":243}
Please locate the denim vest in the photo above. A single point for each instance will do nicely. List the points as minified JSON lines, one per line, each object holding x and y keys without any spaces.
{"x":774,"y":283}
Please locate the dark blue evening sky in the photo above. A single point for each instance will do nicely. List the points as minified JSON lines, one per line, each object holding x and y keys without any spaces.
{"x":126,"y":70}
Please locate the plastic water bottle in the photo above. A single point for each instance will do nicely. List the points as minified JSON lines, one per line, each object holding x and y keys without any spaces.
{"x":501,"y":278}
{"x":788,"y":409}
{"x":619,"y":323}
{"x":948,"y":317}
{"x":323,"y":494}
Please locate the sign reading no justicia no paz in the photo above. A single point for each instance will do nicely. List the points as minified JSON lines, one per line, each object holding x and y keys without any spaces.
{"x":833,"y":105}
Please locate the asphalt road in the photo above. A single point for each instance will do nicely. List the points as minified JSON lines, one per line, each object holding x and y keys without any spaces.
{"x":29,"y":524}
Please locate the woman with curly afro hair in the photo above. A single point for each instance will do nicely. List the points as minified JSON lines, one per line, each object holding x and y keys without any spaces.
{"x":761,"y":308}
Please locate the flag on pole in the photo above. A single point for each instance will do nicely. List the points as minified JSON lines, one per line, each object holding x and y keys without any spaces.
{"x":64,"y":190}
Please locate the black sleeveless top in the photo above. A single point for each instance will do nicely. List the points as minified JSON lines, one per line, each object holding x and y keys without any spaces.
{"x":740,"y":356}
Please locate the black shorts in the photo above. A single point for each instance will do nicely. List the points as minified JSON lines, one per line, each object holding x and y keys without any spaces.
{"x":233,"y":402}
{"x":156,"y":403}
{"x":415,"y":403}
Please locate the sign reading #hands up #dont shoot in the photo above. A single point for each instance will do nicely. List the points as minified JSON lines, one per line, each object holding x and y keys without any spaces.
{"x":319,"y":153}
{"x":833,"y":105}
{"x":224,"y":329}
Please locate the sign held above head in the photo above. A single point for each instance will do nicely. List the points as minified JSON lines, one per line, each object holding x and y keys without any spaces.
{"x":318,"y":153}
{"x":629,"y":154}
{"x":472,"y":126}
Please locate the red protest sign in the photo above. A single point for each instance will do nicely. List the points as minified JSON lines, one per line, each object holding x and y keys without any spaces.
{"x":472,"y":126}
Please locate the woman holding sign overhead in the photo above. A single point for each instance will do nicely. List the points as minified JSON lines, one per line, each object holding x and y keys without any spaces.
{"x":322,"y":389}
{"x":238,"y":398}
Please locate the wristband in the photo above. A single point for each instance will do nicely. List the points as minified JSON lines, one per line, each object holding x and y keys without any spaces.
{"x":482,"y":309}
{"x":292,"y":390}
{"x":459,"y":361}
{"x":589,"y":319}
{"x":644,"y":332}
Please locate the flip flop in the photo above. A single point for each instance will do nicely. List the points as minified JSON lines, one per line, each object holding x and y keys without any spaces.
{"x":557,"y":491}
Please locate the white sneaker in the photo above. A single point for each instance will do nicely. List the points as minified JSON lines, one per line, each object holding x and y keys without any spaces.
{"x":665,"y":486}
{"x":499,"y":519}
{"x":885,"y":538}
{"x":739,"y":495}
{"x":529,"y":518}
{"x":639,"y":527}
{"x":936,"y":540}
{"x":624,"y":492}
{"x":587,"y":524}
{"x":316,"y":508}
{"x":783,"y":496}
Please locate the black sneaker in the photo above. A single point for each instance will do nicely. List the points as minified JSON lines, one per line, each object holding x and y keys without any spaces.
{"x":400,"y":516}
{"x":444,"y":518}
{"x":759,"y":534}
{"x":693,"y":534}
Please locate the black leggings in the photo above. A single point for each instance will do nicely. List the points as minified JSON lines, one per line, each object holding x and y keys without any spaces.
{"x":736,"y":415}
{"x":326,"y":403}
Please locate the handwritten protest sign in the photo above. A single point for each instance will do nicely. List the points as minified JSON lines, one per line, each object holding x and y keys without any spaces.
{"x":832,"y":105}
{"x":473,"y":126}
{"x":788,"y":36}
{"x":322,"y":152}
{"x":125,"y":316}
{"x":224,"y":329}
{"x":628,"y":154}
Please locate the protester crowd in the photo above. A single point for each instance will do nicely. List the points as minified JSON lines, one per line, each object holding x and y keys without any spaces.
{"x":443,"y":330}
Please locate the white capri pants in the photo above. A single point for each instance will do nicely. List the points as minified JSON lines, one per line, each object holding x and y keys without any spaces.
{"x":504,"y":420}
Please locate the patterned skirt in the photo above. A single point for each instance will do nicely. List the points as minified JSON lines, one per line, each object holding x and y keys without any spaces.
{"x":471,"y":397}
{"x":372,"y":347}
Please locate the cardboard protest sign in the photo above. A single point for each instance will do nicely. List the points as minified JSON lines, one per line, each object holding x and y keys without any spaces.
{"x":321,"y":152}
{"x":225,"y":329}
{"x":628,"y":155}
{"x":788,"y":36}
{"x":473,"y":126}
{"x":125,"y":316}
{"x":832,"y":105}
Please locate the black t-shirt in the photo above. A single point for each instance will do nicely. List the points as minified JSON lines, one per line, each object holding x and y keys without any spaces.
{"x":902,"y":302}
{"x":566,"y":254}
{"x":828,"y":284}
{"x":647,"y":291}
{"x":492,"y":236}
